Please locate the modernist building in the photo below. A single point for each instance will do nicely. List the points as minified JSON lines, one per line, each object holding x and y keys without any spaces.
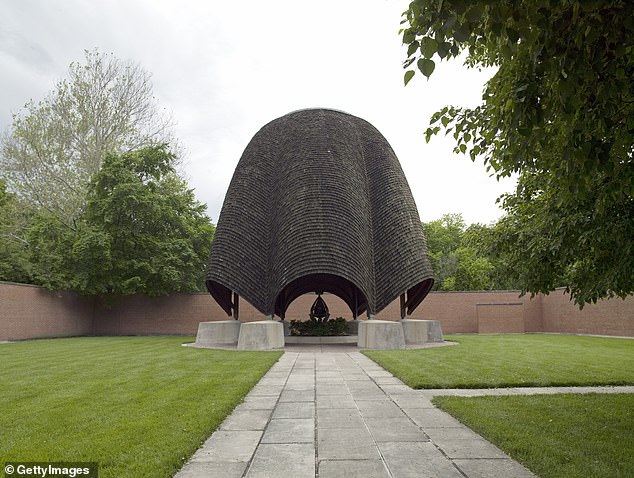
{"x":319,"y":203}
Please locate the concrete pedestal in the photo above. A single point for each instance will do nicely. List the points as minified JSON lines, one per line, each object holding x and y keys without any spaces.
{"x":381,"y":334}
{"x":261,"y":335}
{"x":223,"y":332}
{"x":421,"y":331}
{"x":352,"y":327}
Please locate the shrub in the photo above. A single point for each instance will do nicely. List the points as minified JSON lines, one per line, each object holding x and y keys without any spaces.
{"x":318,"y":328}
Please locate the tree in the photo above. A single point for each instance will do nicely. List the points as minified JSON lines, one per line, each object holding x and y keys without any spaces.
{"x":548,"y":244}
{"x":485,"y":242}
{"x":456,"y":264}
{"x":142,"y":232}
{"x":54,"y":147}
{"x":560,"y":113}
{"x":443,"y":237}
{"x":14,"y":262}
{"x":444,"y":234}
{"x":473,"y":271}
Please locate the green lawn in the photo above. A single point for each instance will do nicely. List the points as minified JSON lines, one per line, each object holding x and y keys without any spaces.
{"x":556,"y":436}
{"x":139,"y":406}
{"x":483,"y":361}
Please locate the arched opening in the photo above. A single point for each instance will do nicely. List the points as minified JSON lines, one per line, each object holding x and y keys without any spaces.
{"x":344,"y":289}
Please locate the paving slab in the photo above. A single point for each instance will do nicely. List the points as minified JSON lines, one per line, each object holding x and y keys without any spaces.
{"x":407,"y":402}
{"x":432,"y":418}
{"x":339,"y":418}
{"x":266,"y":390}
{"x":346,"y":444}
{"x":353,"y":469}
{"x":379,"y":409}
{"x":228,"y":446}
{"x":256,"y":402}
{"x":331,"y":389}
{"x":294,"y":410}
{"x":394,"y":430}
{"x":335,"y":401}
{"x":209,"y":469}
{"x":487,"y":468}
{"x":297,"y":396}
{"x":246,"y":419}
{"x":417,"y":460}
{"x":295,"y":460}
{"x":470,"y":448}
{"x":290,"y":430}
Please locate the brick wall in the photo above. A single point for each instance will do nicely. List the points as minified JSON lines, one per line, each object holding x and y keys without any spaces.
{"x":31,"y":312}
{"x":468,"y":312}
{"x":607,"y":317}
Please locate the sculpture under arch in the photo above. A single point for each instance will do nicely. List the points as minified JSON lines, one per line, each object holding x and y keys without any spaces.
{"x":319,"y":202}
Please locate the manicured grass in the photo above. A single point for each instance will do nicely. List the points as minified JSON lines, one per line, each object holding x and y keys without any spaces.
{"x":139,"y":406}
{"x":558,"y":436}
{"x":483,"y":361}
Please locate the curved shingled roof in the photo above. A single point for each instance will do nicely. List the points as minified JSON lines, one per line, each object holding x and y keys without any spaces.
{"x":319,"y":202}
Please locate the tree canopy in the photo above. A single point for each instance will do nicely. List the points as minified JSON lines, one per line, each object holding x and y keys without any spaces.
{"x":54,"y":146}
{"x":143,"y":232}
{"x":560,"y":113}
{"x":14,"y":261}
{"x":90,"y":199}
{"x":463,"y":256}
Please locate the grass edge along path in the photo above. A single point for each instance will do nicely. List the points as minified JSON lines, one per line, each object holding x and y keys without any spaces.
{"x":518,"y":360}
{"x":138,"y":406}
{"x":555,"y":436}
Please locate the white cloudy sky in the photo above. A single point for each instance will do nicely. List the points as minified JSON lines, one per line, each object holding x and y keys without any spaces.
{"x":225,"y":68}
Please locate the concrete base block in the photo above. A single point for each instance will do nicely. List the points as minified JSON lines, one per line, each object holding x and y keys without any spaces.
{"x":381,"y":334}
{"x":421,"y":331}
{"x":261,"y":335}
{"x":218,"y":333}
{"x":352,"y":327}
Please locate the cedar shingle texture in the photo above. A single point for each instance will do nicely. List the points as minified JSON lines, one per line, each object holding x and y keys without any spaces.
{"x":319,"y":202}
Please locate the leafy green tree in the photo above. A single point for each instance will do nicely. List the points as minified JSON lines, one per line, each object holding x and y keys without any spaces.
{"x":473,"y":272}
{"x":14,"y":258}
{"x":560,"y":113}
{"x":50,"y":249}
{"x":443,"y":237}
{"x":485,"y":242}
{"x":456,"y":264}
{"x":142,"y":232}
{"x":548,"y":244}
{"x":54,"y":146}
{"x":444,"y":234}
{"x":148,"y":233}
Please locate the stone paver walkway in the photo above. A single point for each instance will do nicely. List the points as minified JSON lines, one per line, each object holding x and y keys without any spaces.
{"x":341,"y":415}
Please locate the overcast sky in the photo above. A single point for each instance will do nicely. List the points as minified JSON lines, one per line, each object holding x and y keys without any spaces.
{"x":224,"y":69}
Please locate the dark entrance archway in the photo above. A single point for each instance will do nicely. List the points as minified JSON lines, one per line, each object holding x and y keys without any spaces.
{"x":342,"y":288}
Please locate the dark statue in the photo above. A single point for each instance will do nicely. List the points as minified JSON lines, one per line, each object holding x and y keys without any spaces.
{"x":319,"y":310}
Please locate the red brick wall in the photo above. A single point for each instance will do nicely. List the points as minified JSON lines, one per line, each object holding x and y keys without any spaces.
{"x":506,"y":318}
{"x":459,"y":311}
{"x":607,"y":317}
{"x":31,"y":312}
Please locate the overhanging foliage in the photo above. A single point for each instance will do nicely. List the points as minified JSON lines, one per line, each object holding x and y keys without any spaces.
{"x":560,"y":113}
